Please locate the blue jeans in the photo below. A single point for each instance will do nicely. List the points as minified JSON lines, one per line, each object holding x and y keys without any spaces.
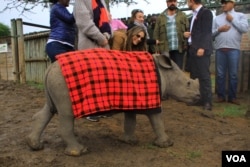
{"x":227,"y":61}
{"x":55,"y":48}
{"x":177,"y":57}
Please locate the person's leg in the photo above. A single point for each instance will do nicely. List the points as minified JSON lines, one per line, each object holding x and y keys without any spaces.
{"x":193,"y":67}
{"x":199,"y":68}
{"x":55,"y":48}
{"x":221,"y":70}
{"x":177,"y":58}
{"x":172,"y":55}
{"x":233,"y":65}
{"x":187,"y":62}
{"x":203,"y":64}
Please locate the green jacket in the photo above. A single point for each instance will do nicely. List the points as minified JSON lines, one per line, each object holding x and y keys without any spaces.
{"x":160,"y":31}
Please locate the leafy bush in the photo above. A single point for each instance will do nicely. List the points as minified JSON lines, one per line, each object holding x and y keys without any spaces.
{"x":4,"y":30}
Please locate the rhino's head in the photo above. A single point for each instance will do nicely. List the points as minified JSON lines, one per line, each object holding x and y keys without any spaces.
{"x":174,"y":82}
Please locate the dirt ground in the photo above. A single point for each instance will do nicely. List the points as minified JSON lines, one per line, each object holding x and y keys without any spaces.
{"x":198,"y":139}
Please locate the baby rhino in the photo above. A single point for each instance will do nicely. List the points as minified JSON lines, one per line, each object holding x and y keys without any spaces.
{"x":98,"y":81}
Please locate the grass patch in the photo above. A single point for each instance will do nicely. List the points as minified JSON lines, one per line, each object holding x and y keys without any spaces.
{"x":36,"y":85}
{"x":233,"y":111}
{"x":194,"y":154}
{"x":150,"y":146}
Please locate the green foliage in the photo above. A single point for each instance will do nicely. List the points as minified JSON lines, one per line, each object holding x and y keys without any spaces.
{"x":4,"y":30}
{"x":233,"y":111}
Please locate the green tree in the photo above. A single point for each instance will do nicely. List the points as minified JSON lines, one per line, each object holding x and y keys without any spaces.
{"x":4,"y":30}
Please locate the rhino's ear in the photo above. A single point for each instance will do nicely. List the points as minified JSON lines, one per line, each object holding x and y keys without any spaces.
{"x":164,"y":60}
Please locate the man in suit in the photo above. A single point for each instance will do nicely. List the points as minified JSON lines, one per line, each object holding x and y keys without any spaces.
{"x":200,"y":50}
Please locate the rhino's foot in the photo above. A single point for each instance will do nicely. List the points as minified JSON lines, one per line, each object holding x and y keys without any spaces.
{"x":76,"y":151}
{"x":34,"y":144}
{"x":129,"y":140}
{"x":163,"y":143}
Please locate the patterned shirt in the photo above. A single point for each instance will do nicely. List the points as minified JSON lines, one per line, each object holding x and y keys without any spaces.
{"x":172,"y":33}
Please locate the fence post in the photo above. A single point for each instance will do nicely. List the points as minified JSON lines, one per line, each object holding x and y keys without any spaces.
{"x":14,"y":50}
{"x":19,"y":25}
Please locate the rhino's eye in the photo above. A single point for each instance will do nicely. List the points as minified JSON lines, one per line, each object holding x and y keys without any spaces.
{"x":188,"y":84}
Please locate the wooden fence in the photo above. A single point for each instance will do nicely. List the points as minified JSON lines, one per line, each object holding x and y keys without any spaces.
{"x":30,"y":59}
{"x":6,"y":61}
{"x":36,"y":60}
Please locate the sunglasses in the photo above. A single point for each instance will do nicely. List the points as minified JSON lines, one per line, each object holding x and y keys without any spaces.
{"x":140,"y":37}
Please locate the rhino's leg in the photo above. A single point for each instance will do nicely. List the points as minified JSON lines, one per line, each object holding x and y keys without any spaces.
{"x":58,"y":92}
{"x":40,"y":121}
{"x":66,"y":129}
{"x":129,"y":128}
{"x":157,"y":123}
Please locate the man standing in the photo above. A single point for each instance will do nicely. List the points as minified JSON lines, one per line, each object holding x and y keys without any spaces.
{"x":200,"y":50}
{"x":169,"y":29}
{"x":228,"y":28}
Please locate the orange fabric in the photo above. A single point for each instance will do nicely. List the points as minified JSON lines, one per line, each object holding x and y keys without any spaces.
{"x":104,"y":14}
{"x":94,"y":4}
{"x":104,"y":17}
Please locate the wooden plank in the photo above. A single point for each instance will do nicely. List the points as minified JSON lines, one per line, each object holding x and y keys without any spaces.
{"x":21,"y":50}
{"x":15,"y":49}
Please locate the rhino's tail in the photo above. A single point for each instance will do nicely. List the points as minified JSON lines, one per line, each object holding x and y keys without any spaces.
{"x":49,"y":101}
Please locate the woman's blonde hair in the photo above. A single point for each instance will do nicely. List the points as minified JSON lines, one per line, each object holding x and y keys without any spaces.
{"x":141,"y":46}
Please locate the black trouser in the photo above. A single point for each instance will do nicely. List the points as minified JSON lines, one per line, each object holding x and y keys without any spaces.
{"x":177,"y":57}
{"x":199,"y":68}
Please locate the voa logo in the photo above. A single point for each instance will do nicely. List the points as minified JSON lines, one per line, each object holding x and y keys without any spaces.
{"x":236,"y":158}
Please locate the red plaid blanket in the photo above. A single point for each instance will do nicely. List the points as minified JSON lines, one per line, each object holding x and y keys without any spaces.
{"x":101,"y":80}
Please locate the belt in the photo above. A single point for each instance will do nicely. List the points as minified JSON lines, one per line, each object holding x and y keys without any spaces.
{"x":225,"y":49}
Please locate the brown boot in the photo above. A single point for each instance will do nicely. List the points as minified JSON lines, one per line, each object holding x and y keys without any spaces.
{"x":234,"y":101}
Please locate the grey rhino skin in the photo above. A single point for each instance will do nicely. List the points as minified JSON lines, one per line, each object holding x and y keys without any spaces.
{"x":174,"y":83}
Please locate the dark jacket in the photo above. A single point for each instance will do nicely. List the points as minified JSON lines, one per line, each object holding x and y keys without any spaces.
{"x":201,"y":33}
{"x":62,"y":24}
{"x":160,"y":31}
